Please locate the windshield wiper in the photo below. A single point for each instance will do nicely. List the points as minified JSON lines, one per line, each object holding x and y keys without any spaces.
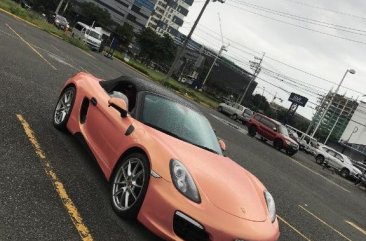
{"x":180,"y":138}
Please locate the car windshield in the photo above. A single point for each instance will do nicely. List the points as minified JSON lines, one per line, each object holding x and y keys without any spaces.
{"x":94,"y":34}
{"x":283,"y":130}
{"x":179,"y":121}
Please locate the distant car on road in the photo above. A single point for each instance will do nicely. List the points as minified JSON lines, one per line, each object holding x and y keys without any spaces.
{"x":294,"y":135}
{"x":236,"y":111}
{"x":272,"y":130}
{"x":334,"y":159}
{"x":91,"y":36}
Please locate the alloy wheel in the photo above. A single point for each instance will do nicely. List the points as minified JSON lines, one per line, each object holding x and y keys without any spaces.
{"x":64,"y":106}
{"x":128,"y":184}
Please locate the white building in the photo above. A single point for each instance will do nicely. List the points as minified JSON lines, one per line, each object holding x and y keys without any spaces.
{"x":133,"y":12}
{"x":355,"y":132}
{"x":168,"y":16}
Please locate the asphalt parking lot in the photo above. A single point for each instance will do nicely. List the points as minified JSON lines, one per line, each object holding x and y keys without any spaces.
{"x":312,"y":204}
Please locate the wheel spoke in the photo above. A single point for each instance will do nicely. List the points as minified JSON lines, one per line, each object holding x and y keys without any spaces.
{"x":138,"y":174}
{"x":127,"y":196}
{"x":133,"y":194}
{"x":135,"y":168}
{"x":129,"y":169}
{"x":136,"y":185}
{"x":122,"y":190}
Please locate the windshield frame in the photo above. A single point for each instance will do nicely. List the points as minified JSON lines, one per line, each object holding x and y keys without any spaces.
{"x":139,"y":113}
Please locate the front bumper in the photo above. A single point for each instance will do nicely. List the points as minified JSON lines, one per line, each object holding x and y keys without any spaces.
{"x":93,"y":46}
{"x":159,"y":214}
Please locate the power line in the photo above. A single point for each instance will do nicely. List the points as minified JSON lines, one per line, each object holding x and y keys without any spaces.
{"x":271,"y":58}
{"x":303,"y":19}
{"x":326,"y":9}
{"x":299,"y":26}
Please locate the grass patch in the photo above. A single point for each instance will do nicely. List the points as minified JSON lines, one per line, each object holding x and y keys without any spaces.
{"x":40,"y":22}
{"x":183,"y":89}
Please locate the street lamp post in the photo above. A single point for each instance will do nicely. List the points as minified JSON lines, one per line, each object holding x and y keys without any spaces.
{"x":223,"y":48}
{"x":351,"y":71}
{"x":185,"y":43}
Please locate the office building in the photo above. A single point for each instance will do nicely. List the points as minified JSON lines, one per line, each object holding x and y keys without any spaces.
{"x":168,"y":16}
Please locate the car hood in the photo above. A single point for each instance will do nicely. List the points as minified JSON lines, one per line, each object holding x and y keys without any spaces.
{"x":220,"y":181}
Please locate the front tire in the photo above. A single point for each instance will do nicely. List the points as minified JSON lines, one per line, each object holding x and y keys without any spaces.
{"x":219,"y":109}
{"x":63,"y":108}
{"x":344,"y":173}
{"x":234,"y":117}
{"x":129,"y":185}
{"x":278,"y":144}
{"x":252,"y":131}
{"x":319,"y":159}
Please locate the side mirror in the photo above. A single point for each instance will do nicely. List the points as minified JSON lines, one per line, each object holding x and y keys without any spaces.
{"x":118,"y":104}
{"x":275,"y":129}
{"x":222,"y":145}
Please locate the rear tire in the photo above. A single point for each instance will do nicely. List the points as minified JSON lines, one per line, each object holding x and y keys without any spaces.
{"x":319,"y":159}
{"x":277,"y":144}
{"x":344,"y":173}
{"x":63,"y":108}
{"x":219,"y":109}
{"x":234,"y":117}
{"x":252,"y":131}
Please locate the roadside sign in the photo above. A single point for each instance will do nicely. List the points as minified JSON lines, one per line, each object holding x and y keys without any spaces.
{"x":298,"y":99}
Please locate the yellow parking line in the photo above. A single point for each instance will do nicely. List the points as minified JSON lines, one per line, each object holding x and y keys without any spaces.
{"x":314,"y":172}
{"x":19,"y":18}
{"x":363,"y":231}
{"x":325,"y":223}
{"x":293,"y":228}
{"x":59,"y":187}
{"x":30,"y":46}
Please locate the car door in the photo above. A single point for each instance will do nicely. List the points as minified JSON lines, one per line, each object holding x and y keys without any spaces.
{"x":267,"y":128}
{"x":339,"y":161}
{"x":105,"y":130}
{"x":331,"y":159}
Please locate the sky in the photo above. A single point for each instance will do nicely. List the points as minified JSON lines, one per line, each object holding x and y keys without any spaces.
{"x":329,"y":38}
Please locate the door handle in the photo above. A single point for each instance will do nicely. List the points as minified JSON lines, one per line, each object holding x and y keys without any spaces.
{"x":94,"y":101}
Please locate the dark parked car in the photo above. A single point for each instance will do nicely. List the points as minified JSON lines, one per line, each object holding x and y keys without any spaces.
{"x":272,"y":130}
{"x":59,"y":21}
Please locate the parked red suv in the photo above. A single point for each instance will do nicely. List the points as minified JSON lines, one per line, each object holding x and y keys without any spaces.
{"x":272,"y":130}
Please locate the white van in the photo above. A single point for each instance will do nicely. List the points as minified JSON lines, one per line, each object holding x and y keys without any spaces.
{"x":91,"y":36}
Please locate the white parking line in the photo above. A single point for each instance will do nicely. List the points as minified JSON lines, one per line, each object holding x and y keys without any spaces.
{"x":318,"y":174}
{"x":363,"y":231}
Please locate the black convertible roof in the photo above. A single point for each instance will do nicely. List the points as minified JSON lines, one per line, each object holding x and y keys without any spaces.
{"x":148,"y":86}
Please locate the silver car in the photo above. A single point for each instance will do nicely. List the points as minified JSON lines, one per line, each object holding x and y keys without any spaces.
{"x":336,"y":160}
{"x":236,"y":111}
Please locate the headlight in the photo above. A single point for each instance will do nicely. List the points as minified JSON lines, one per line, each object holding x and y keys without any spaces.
{"x":183,"y":181}
{"x":270,"y":205}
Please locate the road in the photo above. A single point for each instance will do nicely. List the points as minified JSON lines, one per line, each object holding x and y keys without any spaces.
{"x":312,"y":203}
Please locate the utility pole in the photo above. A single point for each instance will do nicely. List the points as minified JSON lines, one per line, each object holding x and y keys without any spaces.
{"x":185,"y":42}
{"x":336,"y":122}
{"x":257,"y":70}
{"x":59,"y":6}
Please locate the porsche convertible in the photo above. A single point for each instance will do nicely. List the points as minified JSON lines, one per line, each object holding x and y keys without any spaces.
{"x":164,"y":161}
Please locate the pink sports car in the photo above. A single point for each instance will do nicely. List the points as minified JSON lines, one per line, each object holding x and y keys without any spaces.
{"x":164,"y":162}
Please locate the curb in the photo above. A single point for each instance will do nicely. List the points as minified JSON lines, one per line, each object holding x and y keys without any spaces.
{"x":19,"y":18}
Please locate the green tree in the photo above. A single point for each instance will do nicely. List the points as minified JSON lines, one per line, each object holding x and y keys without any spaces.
{"x":167,"y":48}
{"x":125,"y":33}
{"x":148,"y":41}
{"x":91,"y":12}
